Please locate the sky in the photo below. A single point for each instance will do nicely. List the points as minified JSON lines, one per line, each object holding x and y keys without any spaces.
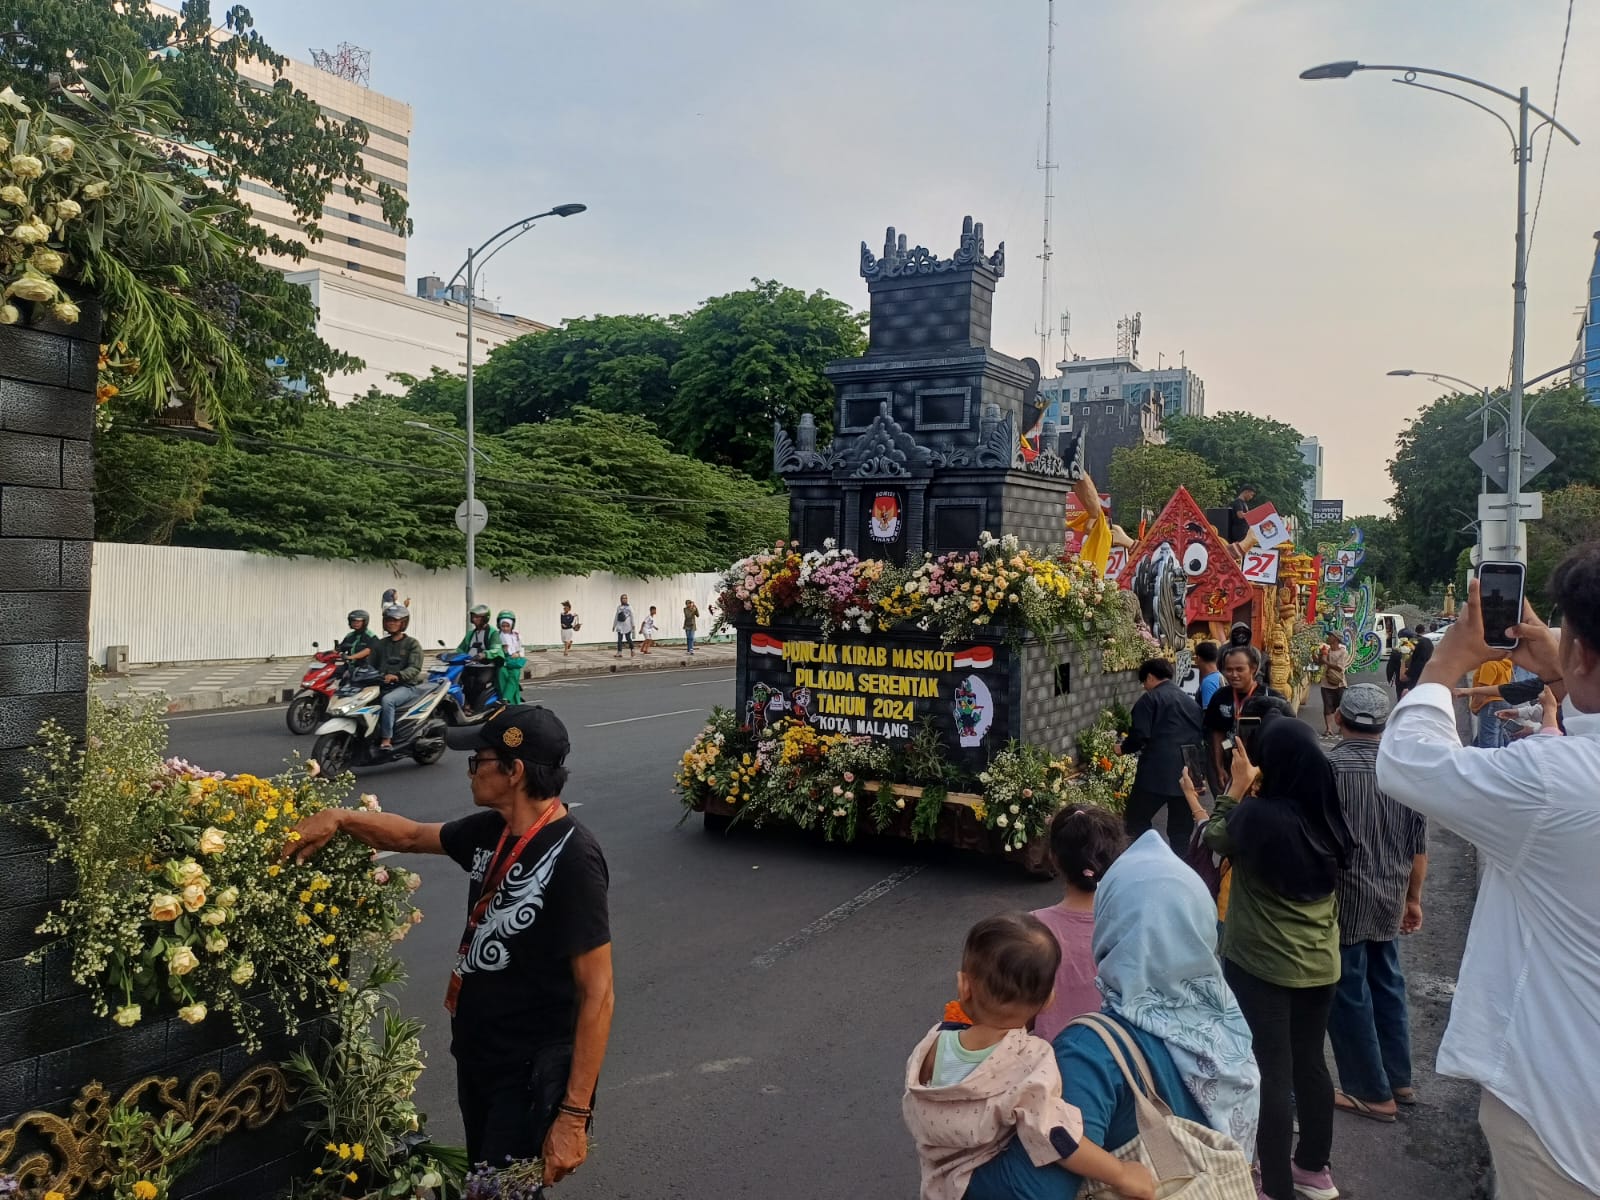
{"x":1292,"y":240}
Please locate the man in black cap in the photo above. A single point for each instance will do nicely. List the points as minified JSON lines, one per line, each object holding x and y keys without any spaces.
{"x":530,"y":997}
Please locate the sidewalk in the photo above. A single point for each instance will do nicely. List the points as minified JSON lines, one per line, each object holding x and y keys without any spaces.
{"x":197,"y":687}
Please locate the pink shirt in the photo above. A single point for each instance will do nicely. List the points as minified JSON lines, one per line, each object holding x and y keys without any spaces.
{"x":1076,"y":993}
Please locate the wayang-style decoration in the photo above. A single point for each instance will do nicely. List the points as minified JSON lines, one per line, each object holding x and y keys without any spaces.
{"x":1183,"y":573}
{"x":76,"y":1159}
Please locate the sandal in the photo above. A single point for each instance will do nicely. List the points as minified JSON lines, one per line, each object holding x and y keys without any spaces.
{"x":1406,"y":1096}
{"x":1360,"y":1108}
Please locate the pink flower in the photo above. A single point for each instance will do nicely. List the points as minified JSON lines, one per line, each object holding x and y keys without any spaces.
{"x":381,"y":875}
{"x":849,"y":776}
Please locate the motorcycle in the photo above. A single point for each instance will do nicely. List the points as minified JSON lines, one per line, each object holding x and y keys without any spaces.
{"x":454,"y":705}
{"x":321,"y":683}
{"x":349,"y":737}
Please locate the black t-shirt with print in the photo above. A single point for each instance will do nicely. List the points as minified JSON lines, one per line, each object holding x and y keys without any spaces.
{"x":1220,"y":715}
{"x":517,"y":991}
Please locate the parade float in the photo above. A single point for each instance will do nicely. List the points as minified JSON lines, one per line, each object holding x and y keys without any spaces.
{"x":921,"y":657}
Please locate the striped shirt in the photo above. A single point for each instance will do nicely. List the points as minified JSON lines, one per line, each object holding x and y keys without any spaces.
{"x":1386,"y":835}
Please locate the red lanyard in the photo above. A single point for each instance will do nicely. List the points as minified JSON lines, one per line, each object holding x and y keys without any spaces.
{"x":492,"y":879}
{"x":1238,"y":704}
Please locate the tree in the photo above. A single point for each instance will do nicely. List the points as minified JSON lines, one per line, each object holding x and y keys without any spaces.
{"x":1385,"y":559}
{"x":224,"y":129}
{"x":1436,"y":484}
{"x":1144,"y":477}
{"x":1571,"y":517}
{"x":611,"y":364}
{"x":750,"y":358}
{"x":1242,"y":448}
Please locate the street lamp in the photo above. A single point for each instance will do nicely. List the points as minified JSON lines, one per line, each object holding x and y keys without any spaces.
{"x":475,"y":260}
{"x":1522,"y":146}
{"x":1488,"y":405}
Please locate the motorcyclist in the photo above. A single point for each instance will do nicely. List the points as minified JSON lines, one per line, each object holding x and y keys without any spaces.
{"x":398,"y":661}
{"x":509,"y":681}
{"x":358,"y":643}
{"x":482,"y":644}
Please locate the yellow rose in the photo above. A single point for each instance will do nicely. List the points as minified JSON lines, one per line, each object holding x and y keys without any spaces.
{"x":216,"y":943}
{"x":244,"y":972}
{"x":228,"y":897}
{"x":181,"y":960}
{"x":213,"y":917}
{"x":127,"y":1016}
{"x":96,"y":190}
{"x":12,"y":194}
{"x":165,"y":907}
{"x":194,"y":897}
{"x":65,"y":311}
{"x":186,"y":872}
{"x":191,"y":1014}
{"x":59,"y":147}
{"x":46,"y":261}
{"x":26,"y":166}
{"x":31,"y":285}
{"x":213,"y":841}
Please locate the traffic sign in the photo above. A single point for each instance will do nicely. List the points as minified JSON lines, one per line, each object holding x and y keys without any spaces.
{"x":480,"y":517}
{"x":1491,"y":457}
{"x":1492,"y":506}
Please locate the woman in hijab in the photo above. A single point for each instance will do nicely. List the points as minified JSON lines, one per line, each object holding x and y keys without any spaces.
{"x":1283,"y":830}
{"x":1155,"y":947}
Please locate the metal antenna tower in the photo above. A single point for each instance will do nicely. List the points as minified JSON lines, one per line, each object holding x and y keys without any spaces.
{"x":1048,"y":166}
{"x":1128,"y":331}
{"x":347,"y":62}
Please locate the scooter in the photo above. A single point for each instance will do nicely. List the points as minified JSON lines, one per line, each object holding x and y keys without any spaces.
{"x":310,"y":703}
{"x":349,"y":738}
{"x":454,"y":706}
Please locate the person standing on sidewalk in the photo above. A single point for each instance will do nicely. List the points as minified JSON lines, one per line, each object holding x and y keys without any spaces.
{"x":531,"y":994}
{"x":1380,"y":898}
{"x":569,"y":627}
{"x":1525,"y":1022}
{"x":1164,"y":722}
{"x":691,"y":619}
{"x":622,"y":625}
{"x":649,"y":631}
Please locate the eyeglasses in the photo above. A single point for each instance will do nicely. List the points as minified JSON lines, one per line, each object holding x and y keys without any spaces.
{"x":483,"y":760}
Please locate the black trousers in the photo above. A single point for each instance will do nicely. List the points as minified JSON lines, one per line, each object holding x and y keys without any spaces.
{"x":1142,"y":808}
{"x":476,"y":682}
{"x":507,"y":1108}
{"x":1288,"y":1026}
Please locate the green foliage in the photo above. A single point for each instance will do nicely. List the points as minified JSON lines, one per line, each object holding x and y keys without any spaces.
{"x":214,"y":320}
{"x":140,"y":1150}
{"x":1571,"y":517}
{"x":1144,"y":477}
{"x":1242,"y":448}
{"x":1385,"y":562}
{"x":565,"y":497}
{"x":1436,"y":484}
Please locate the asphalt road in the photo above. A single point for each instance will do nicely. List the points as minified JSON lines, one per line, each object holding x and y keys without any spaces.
{"x":769,"y":986}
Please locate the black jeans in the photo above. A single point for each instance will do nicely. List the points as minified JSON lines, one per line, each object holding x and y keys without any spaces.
{"x":1142,"y":808}
{"x":508,"y":1108}
{"x":1288,"y":1026}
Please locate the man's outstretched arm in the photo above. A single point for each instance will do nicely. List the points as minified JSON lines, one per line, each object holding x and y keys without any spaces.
{"x":381,"y":831}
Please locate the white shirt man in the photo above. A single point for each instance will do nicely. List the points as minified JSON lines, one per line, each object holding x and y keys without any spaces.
{"x":1525,"y":1023}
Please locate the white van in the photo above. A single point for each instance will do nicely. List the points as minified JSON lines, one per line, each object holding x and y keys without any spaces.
{"x":1388,"y":626}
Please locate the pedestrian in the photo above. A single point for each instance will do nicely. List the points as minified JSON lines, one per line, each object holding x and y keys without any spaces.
{"x":481,"y":645}
{"x":1380,"y":898}
{"x":398,"y":661}
{"x":1206,"y":655}
{"x":1164,"y":722}
{"x":1395,"y":667}
{"x":1282,"y":827}
{"x":649,"y":630}
{"x":1084,"y":842}
{"x":622,"y":625}
{"x":1334,"y":656}
{"x":1421,"y":653}
{"x":1155,"y":947}
{"x":1238,"y":524}
{"x":508,"y":682}
{"x":392,"y":596}
{"x":1226,"y":710}
{"x":569,"y":627}
{"x":972,"y":1087}
{"x":530,"y":996}
{"x":691,"y":619}
{"x":1524,"y":1023}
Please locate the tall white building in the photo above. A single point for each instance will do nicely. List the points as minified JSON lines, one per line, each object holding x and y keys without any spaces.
{"x":393,"y":332}
{"x":1120,"y":379}
{"x":1311,"y":455}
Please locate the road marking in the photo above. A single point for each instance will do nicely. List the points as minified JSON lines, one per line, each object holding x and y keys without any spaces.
{"x":657,"y":1077}
{"x":703,"y":682}
{"x":677,"y":712}
{"x":718,"y":1066}
{"x":834,"y":917}
{"x":222,"y":712}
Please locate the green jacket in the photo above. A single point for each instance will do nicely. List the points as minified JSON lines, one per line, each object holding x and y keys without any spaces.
{"x":402,"y":658}
{"x":492,"y":646}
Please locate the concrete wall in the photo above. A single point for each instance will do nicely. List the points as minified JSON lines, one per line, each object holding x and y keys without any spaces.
{"x":183,"y":604}
{"x":1053,"y":717}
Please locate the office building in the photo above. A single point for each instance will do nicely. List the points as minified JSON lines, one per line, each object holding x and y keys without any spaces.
{"x":393,"y":332}
{"x":1107,"y":423}
{"x":1311,"y":455}
{"x":1100,"y":380}
{"x":1588,"y":354}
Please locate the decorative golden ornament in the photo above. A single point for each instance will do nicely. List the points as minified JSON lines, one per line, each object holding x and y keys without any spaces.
{"x":512,"y":737}
{"x":77,"y":1158}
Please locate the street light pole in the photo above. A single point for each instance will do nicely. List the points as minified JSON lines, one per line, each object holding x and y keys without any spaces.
{"x":1523,"y":149}
{"x":475,"y":260}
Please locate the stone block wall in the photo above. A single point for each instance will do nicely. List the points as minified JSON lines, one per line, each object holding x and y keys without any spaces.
{"x":1055,"y":707}
{"x":51,"y":1042}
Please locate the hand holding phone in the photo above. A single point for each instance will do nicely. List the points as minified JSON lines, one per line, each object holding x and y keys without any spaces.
{"x":1500,"y":601}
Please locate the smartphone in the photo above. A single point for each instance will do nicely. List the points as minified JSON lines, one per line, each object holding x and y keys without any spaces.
{"x":1500,"y":587}
{"x":1195,"y":761}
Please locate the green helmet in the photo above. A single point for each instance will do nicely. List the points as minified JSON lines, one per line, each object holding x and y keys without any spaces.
{"x":478,"y":610}
{"x":506,"y":615}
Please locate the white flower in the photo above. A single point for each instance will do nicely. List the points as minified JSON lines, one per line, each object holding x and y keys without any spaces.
{"x":213,"y":917}
{"x":95,"y":190}
{"x":213,"y":841}
{"x":57,"y":146}
{"x":370,"y":802}
{"x":32,"y":232}
{"x":12,"y":194}
{"x":216,"y":943}
{"x":837,"y":790}
{"x":413,"y":881}
{"x":228,"y":897}
{"x":26,"y":166}
{"x":381,"y":875}
{"x":985,"y":777}
{"x":1002,"y":820}
{"x":10,"y":99}
{"x":430,"y":1179}
{"x":838,"y":812}
{"x":65,"y":311}
{"x":186,"y":872}
{"x":128,"y":1015}
{"x":67,"y":209}
{"x":9,"y":314}
{"x":193,"y":1014}
{"x":46,"y":261}
{"x":181,"y":960}
{"x":1016,"y":808}
{"x":244,"y":972}
{"x":900,"y":803}
{"x":313,"y":769}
